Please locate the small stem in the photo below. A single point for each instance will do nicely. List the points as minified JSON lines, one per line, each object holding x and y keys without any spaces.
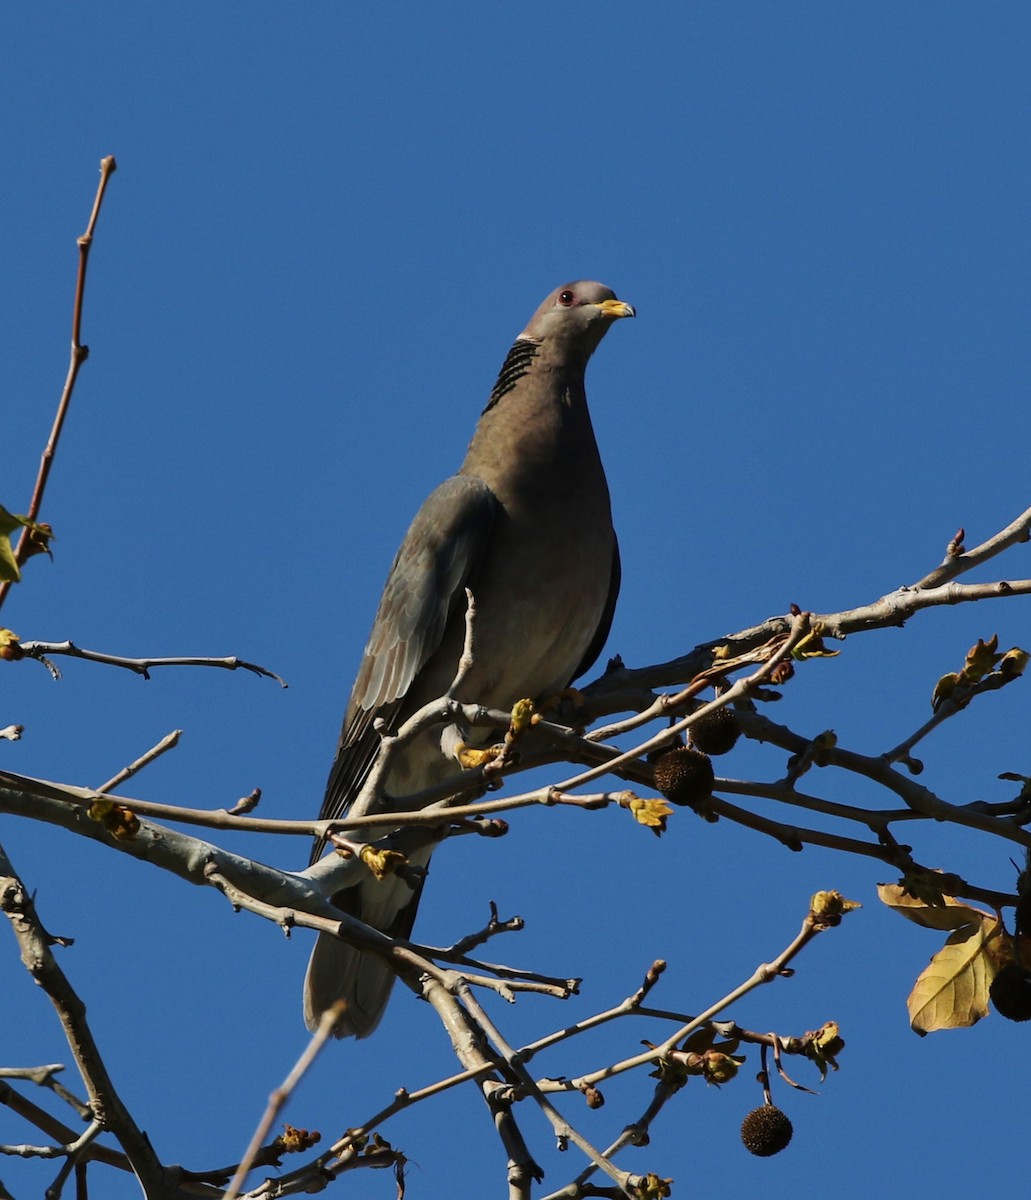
{"x":167,"y":743}
{"x":79,"y":354}
{"x":282,"y":1094}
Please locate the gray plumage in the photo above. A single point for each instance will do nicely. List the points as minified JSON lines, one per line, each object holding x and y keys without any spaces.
{"x":526,"y":524}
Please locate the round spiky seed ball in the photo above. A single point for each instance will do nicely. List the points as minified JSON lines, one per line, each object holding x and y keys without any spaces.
{"x":716,"y":732}
{"x":684,"y":776}
{"x":1011,"y":992}
{"x":766,"y":1131}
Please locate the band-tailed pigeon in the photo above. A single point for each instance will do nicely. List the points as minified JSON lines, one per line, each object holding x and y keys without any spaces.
{"x":526,"y":525}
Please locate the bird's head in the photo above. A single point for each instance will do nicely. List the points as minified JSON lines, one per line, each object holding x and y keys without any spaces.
{"x":575,"y":317}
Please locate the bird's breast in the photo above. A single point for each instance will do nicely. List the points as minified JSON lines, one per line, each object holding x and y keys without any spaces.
{"x":545,"y":590}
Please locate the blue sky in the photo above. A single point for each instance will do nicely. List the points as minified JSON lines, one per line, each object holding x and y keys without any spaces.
{"x":326,"y":228}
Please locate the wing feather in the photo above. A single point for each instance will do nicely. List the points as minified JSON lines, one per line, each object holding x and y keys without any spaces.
{"x":605,"y":623}
{"x":438,"y":559}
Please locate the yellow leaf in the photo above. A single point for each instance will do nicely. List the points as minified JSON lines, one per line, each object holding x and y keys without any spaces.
{"x":945,"y":913}
{"x":9,"y":522}
{"x":118,"y":820}
{"x":10,"y":572}
{"x":40,"y":537}
{"x":720,"y":1068}
{"x":831,"y":904}
{"x":828,"y":1039}
{"x":1004,"y":949}
{"x":8,"y":563}
{"x":522,"y":715}
{"x":952,"y":990}
{"x":943,"y":690}
{"x":652,"y":814}
{"x":381,"y":862}
{"x":812,"y":646}
{"x":652,"y":1187}
{"x":9,"y":647}
{"x":295,"y":1141}
{"x":981,"y":659}
{"x":100,"y":809}
{"x":824,"y":1046}
{"x":925,"y":887}
{"x":1014,"y":662}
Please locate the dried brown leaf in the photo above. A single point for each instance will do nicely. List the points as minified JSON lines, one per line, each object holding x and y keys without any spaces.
{"x":951,"y":914}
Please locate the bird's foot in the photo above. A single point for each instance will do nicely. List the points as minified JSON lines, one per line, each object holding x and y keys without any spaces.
{"x":521,"y":718}
{"x":470,"y":757}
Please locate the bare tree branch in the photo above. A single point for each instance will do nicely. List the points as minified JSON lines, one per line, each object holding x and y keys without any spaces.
{"x":279,"y":1098}
{"x":104,"y":1100}
{"x":62,"y":1134}
{"x":140,"y":666}
{"x":448,"y":977}
{"x":79,"y":354}
{"x":169,"y":742}
{"x":958,"y":560}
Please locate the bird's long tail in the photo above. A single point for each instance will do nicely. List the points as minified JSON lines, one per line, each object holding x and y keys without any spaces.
{"x":363,"y":980}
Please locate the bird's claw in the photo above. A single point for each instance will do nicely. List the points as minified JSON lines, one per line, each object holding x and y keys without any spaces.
{"x":469,"y":757}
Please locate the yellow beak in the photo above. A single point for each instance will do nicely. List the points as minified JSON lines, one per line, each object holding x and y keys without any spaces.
{"x":617,"y":308}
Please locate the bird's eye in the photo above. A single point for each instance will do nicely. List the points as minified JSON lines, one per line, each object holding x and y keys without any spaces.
{"x":567,"y":298}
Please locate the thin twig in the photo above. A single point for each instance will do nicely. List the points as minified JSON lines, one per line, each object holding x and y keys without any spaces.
{"x":800,"y":626}
{"x":52,"y":1127}
{"x":79,"y":354}
{"x":45,"y":1077}
{"x":467,"y":660}
{"x":493,"y":927}
{"x":564,"y":1131}
{"x":961,"y":697}
{"x":631,"y":1004}
{"x":277,"y":1100}
{"x":770,"y":652}
{"x":140,"y":666}
{"x":168,"y":742}
{"x":74,"y":1154}
{"x":467,"y":1041}
{"x":622,"y":688}
{"x":764,"y":973}
{"x":920,"y":799}
{"x":959,"y":560}
{"x":105,"y":1102}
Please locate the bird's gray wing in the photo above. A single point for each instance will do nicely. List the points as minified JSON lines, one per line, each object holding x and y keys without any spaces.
{"x":438,"y":559}
{"x":605,"y":623}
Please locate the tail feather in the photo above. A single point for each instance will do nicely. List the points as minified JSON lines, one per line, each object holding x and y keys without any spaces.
{"x":337,"y":971}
